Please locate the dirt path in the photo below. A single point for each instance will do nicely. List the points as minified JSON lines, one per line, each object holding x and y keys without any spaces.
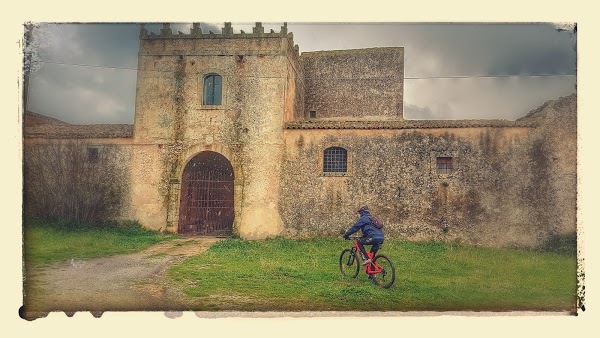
{"x":117,"y":283}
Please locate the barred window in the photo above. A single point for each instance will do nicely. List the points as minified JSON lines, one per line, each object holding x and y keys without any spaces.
{"x":335,"y":160}
{"x":213,"y":84}
{"x":444,"y":165}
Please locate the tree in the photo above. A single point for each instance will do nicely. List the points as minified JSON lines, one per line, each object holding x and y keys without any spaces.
{"x":31,"y":58}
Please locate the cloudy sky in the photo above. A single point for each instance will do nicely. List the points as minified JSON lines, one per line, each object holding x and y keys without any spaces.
{"x":87,"y":72}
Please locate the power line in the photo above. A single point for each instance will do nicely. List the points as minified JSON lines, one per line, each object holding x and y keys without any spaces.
{"x":333,"y":78}
{"x":484,"y":76}
{"x":85,"y":65}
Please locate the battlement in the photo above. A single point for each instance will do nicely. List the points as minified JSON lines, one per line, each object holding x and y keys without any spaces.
{"x":258,"y":31}
{"x":196,"y":32}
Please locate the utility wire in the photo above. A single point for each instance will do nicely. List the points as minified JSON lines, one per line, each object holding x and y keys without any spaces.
{"x":483,"y":76}
{"x":84,"y":65}
{"x":332,"y":78}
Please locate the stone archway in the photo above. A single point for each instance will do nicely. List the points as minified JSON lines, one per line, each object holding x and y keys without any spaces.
{"x":207,"y":196}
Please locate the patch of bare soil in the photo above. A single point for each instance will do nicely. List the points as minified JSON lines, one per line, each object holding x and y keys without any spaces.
{"x":133,"y":282}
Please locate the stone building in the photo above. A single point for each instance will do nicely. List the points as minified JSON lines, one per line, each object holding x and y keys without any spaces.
{"x":240,"y":134}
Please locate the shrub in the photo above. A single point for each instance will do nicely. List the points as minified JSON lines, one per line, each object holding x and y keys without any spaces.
{"x":66,"y":181}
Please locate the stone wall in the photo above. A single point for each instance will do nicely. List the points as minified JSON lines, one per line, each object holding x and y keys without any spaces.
{"x":77,"y":179}
{"x":511,"y":186}
{"x":553,"y":150}
{"x":294,"y":90}
{"x":354,"y":83}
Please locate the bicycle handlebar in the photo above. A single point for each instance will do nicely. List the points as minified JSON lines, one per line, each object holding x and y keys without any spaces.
{"x":352,"y":238}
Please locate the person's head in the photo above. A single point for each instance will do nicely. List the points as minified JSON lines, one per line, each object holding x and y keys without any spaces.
{"x":362,"y":209}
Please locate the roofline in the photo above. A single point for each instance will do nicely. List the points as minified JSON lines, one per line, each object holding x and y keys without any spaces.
{"x":351,"y":51}
{"x":38,"y":115}
{"x":409,"y":124}
{"x":85,"y":131}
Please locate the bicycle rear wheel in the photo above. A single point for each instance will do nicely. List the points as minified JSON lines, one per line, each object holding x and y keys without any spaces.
{"x":387,"y":276}
{"x":349,"y":265}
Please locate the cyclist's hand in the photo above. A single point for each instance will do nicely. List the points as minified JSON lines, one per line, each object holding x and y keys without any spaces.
{"x":345,"y":237}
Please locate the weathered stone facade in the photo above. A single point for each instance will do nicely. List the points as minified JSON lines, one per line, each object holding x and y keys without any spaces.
{"x":510,"y":183}
{"x":497,"y":193}
{"x":174,"y":124}
{"x":354,"y":83}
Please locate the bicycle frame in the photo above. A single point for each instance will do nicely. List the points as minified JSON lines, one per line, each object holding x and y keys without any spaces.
{"x":371,"y":268}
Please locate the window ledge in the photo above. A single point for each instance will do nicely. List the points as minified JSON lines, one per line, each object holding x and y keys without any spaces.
{"x":212,"y":107}
{"x":334,"y":174}
{"x":441,"y":176}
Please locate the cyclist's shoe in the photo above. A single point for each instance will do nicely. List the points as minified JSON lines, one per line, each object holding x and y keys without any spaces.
{"x":365,"y":262}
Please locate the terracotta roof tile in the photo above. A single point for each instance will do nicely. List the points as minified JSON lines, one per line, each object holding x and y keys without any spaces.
{"x":406,"y":124}
{"x":32,"y":119}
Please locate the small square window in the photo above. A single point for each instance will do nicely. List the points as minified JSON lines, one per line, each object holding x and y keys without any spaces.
{"x":93,"y":155}
{"x":444,"y":165}
{"x":313,"y":114}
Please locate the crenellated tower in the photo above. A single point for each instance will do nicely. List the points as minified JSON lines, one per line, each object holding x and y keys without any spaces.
{"x":204,"y":97}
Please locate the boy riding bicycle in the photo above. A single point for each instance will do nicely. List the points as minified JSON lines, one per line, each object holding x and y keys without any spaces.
{"x":371,"y":235}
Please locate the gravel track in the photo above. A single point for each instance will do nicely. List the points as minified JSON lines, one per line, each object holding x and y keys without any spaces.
{"x":133,"y":282}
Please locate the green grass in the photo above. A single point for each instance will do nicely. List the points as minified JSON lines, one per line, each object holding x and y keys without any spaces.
{"x":47,"y":242}
{"x":289,"y":275}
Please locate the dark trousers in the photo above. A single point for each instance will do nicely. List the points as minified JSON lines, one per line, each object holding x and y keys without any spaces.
{"x":375,"y":244}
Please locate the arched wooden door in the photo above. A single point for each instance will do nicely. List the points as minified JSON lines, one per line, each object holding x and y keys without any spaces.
{"x":206,"y":203}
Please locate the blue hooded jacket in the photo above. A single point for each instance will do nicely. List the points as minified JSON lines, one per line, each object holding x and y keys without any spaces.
{"x":364,"y":224}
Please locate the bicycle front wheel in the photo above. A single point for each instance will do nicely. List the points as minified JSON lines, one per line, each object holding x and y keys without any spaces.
{"x":387,"y":276}
{"x":349,"y":265}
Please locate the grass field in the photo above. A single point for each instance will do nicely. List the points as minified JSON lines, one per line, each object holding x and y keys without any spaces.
{"x":303,"y":275}
{"x":47,"y":242}
{"x":288,"y":275}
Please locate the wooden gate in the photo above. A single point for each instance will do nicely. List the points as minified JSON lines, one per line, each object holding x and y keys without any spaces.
{"x":206,"y":203}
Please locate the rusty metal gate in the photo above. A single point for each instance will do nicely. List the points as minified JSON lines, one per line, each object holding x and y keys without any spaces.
{"x":206,"y":204}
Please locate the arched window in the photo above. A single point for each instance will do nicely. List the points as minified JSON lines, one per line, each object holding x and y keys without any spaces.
{"x":335,"y":160}
{"x":213,"y":84}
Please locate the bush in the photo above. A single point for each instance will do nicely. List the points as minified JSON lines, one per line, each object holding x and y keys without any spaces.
{"x":72,"y":182}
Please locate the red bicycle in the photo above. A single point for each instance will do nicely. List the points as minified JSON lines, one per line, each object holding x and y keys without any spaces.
{"x":381,"y":269}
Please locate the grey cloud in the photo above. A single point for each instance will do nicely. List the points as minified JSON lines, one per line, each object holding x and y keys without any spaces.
{"x":414,"y":112}
{"x":84,"y":95}
{"x":492,"y":49}
{"x":431,"y":50}
{"x":552,"y":60}
{"x":112,"y":45}
{"x":452,"y":49}
{"x":484,"y":98}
